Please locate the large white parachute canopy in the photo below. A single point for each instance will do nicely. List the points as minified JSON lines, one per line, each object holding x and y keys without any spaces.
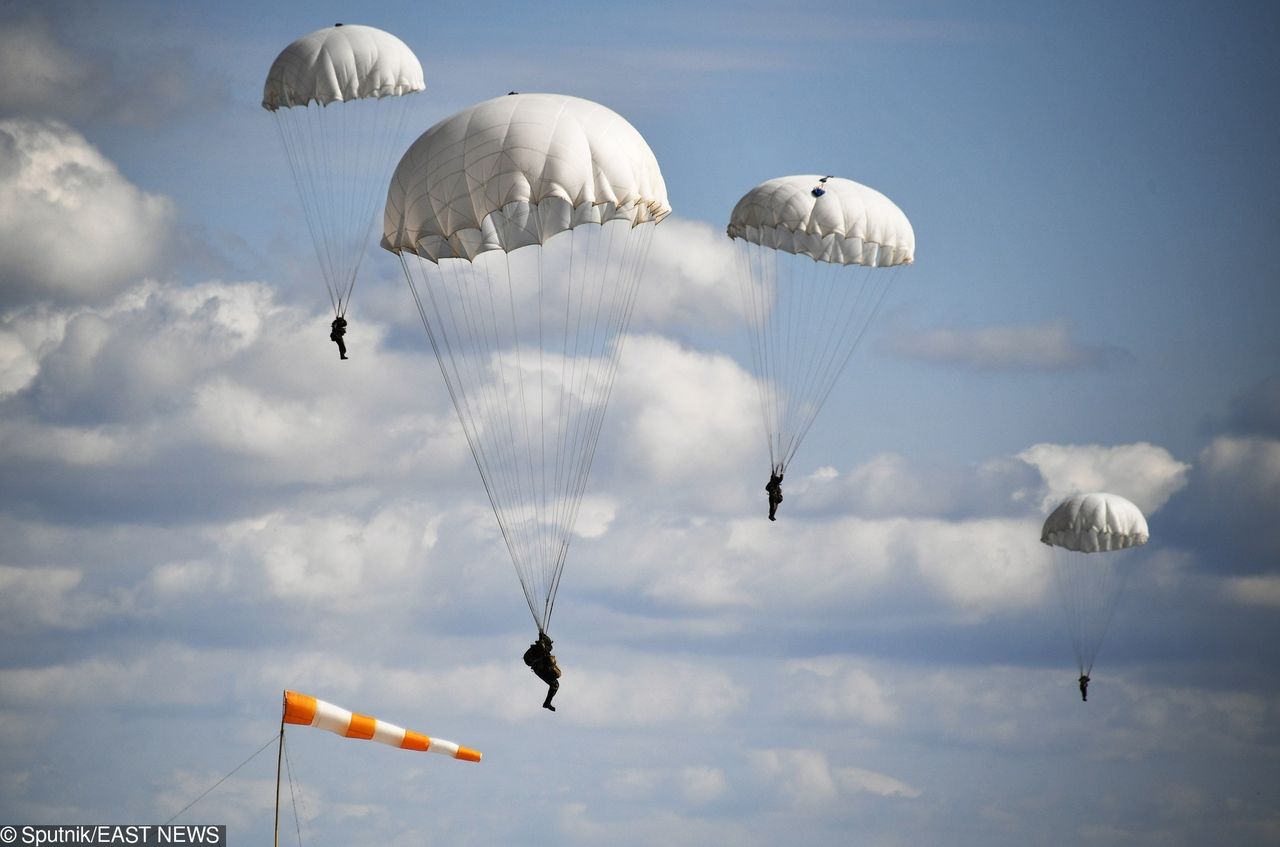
{"x":816,"y":256}
{"x":338,"y":97}
{"x":1089,"y":585}
{"x":523,"y":224}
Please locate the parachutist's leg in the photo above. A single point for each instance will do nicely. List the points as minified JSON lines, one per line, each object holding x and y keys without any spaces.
{"x":773,"y":510}
{"x":553,"y":685}
{"x":342,"y":348}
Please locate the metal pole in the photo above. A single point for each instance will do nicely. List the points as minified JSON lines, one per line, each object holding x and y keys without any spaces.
{"x":279,"y":759}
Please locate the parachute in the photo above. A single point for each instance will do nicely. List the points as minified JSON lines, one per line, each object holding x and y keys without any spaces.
{"x":1089,"y":585}
{"x":522,"y":224}
{"x":815,"y":256}
{"x":305,"y":710}
{"x":338,"y":99}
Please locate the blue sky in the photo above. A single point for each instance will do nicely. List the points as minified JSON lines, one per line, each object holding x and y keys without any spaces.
{"x":201,"y":506}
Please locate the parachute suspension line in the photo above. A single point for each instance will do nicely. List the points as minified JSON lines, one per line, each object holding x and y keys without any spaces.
{"x":751,"y":290}
{"x":544,"y":541}
{"x":569,"y":419}
{"x":377,"y":159}
{"x":602,"y":363}
{"x":534,"y":457}
{"x":508,"y":469}
{"x":462,"y":402}
{"x":293,"y":140}
{"x":335,"y":153}
{"x":806,"y":319}
{"x":329,"y":248}
{"x":859,"y":319}
{"x":531,"y":528}
{"x":626,"y":287}
{"x":1089,"y":587}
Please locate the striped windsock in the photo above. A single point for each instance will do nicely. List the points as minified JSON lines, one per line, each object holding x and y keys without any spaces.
{"x":306,"y":710}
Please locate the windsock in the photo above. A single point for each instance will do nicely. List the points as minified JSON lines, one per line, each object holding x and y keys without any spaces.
{"x":306,"y":710}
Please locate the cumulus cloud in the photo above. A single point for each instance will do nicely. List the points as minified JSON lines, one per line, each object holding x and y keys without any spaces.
{"x":689,"y":279}
{"x":218,"y":380}
{"x":1144,"y":473}
{"x":335,"y":562}
{"x":1254,"y":590}
{"x":808,"y":781}
{"x":1256,"y":411}
{"x":840,"y":690}
{"x":72,"y":228}
{"x":686,"y":420}
{"x":968,"y":569}
{"x":889,"y":484}
{"x":696,"y":785}
{"x":1236,"y":497}
{"x":859,"y":780}
{"x":38,"y":599}
{"x":982,"y":566}
{"x":1035,"y":347}
{"x":36,"y":72}
{"x":46,"y":70}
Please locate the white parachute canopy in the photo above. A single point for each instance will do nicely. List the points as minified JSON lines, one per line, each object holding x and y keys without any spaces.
{"x":1089,"y":585}
{"x":337,"y":95}
{"x":816,"y":256}
{"x":523,"y":224}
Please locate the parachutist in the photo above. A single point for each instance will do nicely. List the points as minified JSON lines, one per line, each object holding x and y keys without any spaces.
{"x":1084,"y":687}
{"x":775,"y":492}
{"x":337,"y":329}
{"x":542,"y":662}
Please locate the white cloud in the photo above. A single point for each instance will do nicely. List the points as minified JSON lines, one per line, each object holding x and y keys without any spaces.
{"x":36,"y":599}
{"x":47,"y":68}
{"x":1246,"y":469}
{"x":839,"y":690}
{"x":1030,"y":347}
{"x":858,"y":780}
{"x":648,"y":693}
{"x":337,"y":562}
{"x":982,"y":566}
{"x":697,"y":785}
{"x":1144,"y":473}
{"x":702,"y":785}
{"x":1254,"y":590}
{"x":889,"y":485}
{"x":809,"y":782}
{"x":220,"y":373}
{"x":1235,"y":499}
{"x":35,"y":70}
{"x":72,"y":228}
{"x":803,"y":777}
{"x":689,"y":279}
{"x":686,"y":420}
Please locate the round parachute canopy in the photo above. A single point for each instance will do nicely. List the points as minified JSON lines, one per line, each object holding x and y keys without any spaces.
{"x":515,"y":171}
{"x":341,"y":63}
{"x":828,"y":219}
{"x":338,"y":99}
{"x":816,"y":256}
{"x":1089,"y":586}
{"x":523,"y":224}
{"x":1095,"y":523}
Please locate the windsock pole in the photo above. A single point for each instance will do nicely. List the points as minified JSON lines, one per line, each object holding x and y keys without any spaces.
{"x":279,"y":759}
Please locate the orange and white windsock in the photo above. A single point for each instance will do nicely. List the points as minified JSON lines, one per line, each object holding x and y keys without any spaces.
{"x":306,"y":710}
